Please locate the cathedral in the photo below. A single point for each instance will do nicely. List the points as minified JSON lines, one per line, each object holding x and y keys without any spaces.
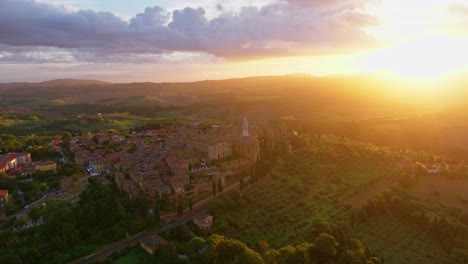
{"x":246,"y":145}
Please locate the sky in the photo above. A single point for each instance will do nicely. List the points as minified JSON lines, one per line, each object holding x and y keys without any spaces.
{"x":157,"y":40}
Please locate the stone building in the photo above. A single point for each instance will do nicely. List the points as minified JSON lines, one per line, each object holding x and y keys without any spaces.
{"x":211,"y":147}
{"x":246,"y":145}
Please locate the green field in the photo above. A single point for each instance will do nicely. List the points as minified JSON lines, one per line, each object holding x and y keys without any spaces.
{"x":399,"y":242}
{"x":136,"y":255}
{"x":117,"y":121}
{"x":312,"y":184}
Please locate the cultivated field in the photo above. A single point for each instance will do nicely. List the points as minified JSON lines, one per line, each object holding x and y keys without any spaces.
{"x":451,"y":192}
{"x":359,"y":199}
{"x":399,"y":242}
{"x":323,"y":182}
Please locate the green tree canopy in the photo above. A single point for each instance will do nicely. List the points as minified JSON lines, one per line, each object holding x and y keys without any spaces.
{"x":223,"y":250}
{"x":326,"y":244}
{"x":196,"y":244}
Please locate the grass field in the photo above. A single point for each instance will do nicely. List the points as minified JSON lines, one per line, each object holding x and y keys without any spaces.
{"x":279,"y":210}
{"x":361,"y":198}
{"x":276,"y":217}
{"x":399,"y":242}
{"x":306,"y":186}
{"x":451,"y":192}
{"x":118,"y":121}
{"x":136,"y":255}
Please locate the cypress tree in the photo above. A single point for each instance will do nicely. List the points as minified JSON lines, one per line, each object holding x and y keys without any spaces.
{"x":214,"y":188}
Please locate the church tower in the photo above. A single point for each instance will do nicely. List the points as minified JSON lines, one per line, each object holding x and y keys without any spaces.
{"x":245,"y":128}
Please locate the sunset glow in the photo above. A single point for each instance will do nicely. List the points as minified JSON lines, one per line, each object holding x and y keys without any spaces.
{"x":416,"y":39}
{"x":246,"y":131}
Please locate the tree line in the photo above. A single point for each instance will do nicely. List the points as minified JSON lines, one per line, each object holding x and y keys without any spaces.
{"x":449,"y":227}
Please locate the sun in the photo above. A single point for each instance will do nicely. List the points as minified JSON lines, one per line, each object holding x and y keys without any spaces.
{"x":421,"y":59}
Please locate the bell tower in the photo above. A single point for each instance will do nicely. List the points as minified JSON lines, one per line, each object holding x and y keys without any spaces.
{"x":245,"y":128}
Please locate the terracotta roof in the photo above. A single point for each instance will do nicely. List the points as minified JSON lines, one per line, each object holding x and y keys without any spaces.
{"x":3,"y":163}
{"x":10,"y":156}
{"x":201,"y":216}
{"x":21,"y":154}
{"x":3,"y":193}
{"x":180,"y":163}
{"x":56,"y":141}
{"x":154,"y":241}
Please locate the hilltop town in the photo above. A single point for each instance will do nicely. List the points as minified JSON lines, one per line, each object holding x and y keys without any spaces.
{"x":178,"y":164}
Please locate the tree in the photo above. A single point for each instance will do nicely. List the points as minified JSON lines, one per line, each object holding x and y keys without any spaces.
{"x":241,"y":183}
{"x":213,"y":188}
{"x":10,"y":259}
{"x":180,"y":209}
{"x":60,"y":226}
{"x":36,"y":213}
{"x":190,"y":204}
{"x":19,"y":222}
{"x":223,"y":250}
{"x":349,"y":257}
{"x":99,"y":206}
{"x":167,"y":255}
{"x":458,"y":256}
{"x":196,"y":244}
{"x":220,"y":185}
{"x":319,"y":226}
{"x":326,"y":244}
{"x":67,"y":136}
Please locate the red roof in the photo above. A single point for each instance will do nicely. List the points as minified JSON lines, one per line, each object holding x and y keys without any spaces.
{"x":10,"y":156}
{"x":3,"y":193}
{"x":171,"y":158}
{"x":56,"y":141}
{"x":21,"y":154}
{"x":3,"y":163}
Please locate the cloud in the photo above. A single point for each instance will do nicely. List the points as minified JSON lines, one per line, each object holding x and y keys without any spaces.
{"x":459,"y":9}
{"x":297,"y":27}
{"x":320,"y":4}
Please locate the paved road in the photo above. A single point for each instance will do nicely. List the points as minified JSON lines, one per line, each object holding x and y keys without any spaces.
{"x":104,"y":253}
{"x":176,"y":220}
{"x":234,"y":186}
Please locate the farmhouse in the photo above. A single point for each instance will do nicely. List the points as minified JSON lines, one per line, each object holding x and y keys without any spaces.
{"x":203,"y":221}
{"x":152,"y":243}
{"x":433,"y":170}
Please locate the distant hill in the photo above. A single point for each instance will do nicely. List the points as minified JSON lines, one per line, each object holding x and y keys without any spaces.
{"x":9,"y":86}
{"x":380,"y":109}
{"x":329,"y":98}
{"x":52,"y":83}
{"x":72,"y":82}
